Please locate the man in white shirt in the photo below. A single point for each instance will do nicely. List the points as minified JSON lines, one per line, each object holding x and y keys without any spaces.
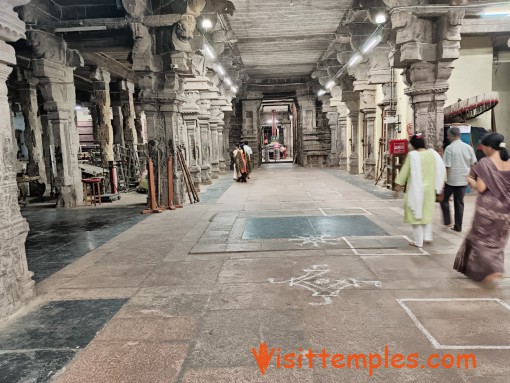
{"x":249,"y":153}
{"x":458,"y":158}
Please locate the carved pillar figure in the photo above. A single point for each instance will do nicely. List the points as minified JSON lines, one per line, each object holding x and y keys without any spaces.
{"x":426,"y":46}
{"x":33,"y":129}
{"x":16,"y":285}
{"x":54,"y":67}
{"x":103,"y":132}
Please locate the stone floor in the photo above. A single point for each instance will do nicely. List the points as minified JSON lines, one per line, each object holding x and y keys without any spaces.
{"x":58,"y":237}
{"x":297,"y":258}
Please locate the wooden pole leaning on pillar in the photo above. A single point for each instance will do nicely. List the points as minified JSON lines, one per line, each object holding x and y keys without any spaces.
{"x":153,"y":205}
{"x":170,"y":176}
{"x":190,"y":187}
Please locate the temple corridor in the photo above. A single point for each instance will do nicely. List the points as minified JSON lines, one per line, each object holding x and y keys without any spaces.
{"x":185,"y":295}
{"x":215,"y":191}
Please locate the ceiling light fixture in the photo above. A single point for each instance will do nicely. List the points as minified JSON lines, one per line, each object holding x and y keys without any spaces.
{"x":330,"y":84}
{"x":371,"y":43}
{"x":380,"y":18}
{"x":220,"y":70}
{"x":234,"y":89}
{"x":228,"y":82}
{"x":321,"y":92}
{"x":206,"y":24}
{"x":499,"y":11}
{"x":355,"y":59}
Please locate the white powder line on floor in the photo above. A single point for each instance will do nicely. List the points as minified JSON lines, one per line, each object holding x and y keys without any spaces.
{"x":419,"y":248}
{"x":323,"y":213}
{"x":433,"y":340}
{"x":350,"y":245}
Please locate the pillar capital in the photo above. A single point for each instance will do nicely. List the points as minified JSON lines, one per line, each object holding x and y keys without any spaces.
{"x":427,"y":43}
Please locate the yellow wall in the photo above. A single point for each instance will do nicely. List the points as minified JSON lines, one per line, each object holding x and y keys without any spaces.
{"x":501,"y":81}
{"x":472,"y":75}
{"x":404,"y":109}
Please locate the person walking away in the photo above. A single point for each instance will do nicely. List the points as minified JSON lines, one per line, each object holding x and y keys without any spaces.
{"x":423,"y":174}
{"x":234,"y":155}
{"x":458,"y":158}
{"x":481,"y":256}
{"x":249,"y":158}
{"x":240,"y":165}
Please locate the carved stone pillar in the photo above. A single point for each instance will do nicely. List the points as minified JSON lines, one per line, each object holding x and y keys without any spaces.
{"x":251,"y":126}
{"x":164,"y":132}
{"x":369,"y":109}
{"x":126,"y":89}
{"x":117,"y":122}
{"x":334,"y":158}
{"x":54,"y":68}
{"x":190,"y":110}
{"x":216,"y":119}
{"x":342,"y":132}
{"x":352,"y":101}
{"x":33,"y":129}
{"x":205,"y":132}
{"x":221,"y":146}
{"x":16,"y":285}
{"x":426,"y":46}
{"x":103,"y":132}
{"x":336,"y":101}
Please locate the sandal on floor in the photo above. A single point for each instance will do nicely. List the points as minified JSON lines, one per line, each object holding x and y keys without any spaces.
{"x":415,"y":245}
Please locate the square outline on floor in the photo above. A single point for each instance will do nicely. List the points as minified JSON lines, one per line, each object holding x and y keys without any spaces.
{"x":423,"y":252}
{"x":364,"y":212}
{"x":431,"y":338}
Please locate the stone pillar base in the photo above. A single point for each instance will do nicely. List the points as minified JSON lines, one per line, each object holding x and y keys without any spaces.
{"x":206,"y":175}
{"x":342,"y":162}
{"x":223,"y":167}
{"x":196,"y":176}
{"x":370,"y":165}
{"x":215,"y":170}
{"x":354,"y":164}
{"x":18,"y":286}
{"x":333,"y":160}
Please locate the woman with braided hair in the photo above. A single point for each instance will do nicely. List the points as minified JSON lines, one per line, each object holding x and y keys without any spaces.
{"x":482,"y":254}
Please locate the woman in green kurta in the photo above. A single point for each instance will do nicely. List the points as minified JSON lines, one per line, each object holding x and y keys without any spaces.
{"x":423,"y":175}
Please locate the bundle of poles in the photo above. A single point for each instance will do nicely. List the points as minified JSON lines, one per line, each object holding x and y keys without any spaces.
{"x":188,"y":181}
{"x":155,"y":205}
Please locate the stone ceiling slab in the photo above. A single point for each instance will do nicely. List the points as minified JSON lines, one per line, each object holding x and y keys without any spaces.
{"x":275,"y":38}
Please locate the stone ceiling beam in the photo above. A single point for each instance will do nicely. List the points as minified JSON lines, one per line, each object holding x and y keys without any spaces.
{"x":109,"y":64}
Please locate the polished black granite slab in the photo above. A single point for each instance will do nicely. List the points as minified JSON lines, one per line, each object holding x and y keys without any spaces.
{"x":39,"y":344}
{"x":292,"y":227}
{"x":58,"y":237}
